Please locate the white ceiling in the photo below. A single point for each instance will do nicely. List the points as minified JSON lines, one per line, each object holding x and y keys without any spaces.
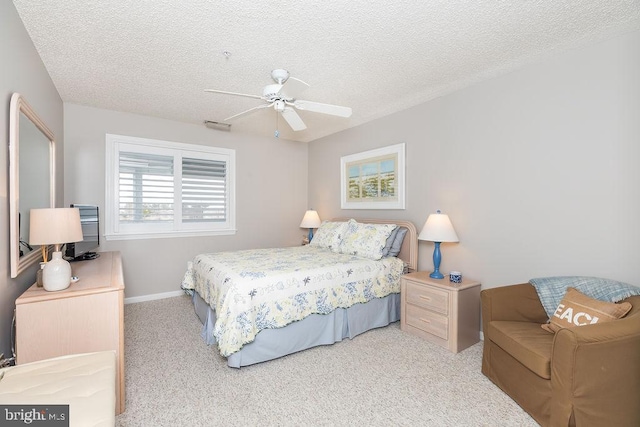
{"x":376,"y":56}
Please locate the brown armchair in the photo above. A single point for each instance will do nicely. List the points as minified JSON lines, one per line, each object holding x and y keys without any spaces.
{"x":582,"y":376}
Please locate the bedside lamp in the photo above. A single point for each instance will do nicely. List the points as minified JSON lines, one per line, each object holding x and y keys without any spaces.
{"x":311,"y":220}
{"x":437,"y":229}
{"x":55,"y":226}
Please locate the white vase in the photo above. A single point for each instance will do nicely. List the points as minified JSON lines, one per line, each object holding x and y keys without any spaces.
{"x":57,"y":273}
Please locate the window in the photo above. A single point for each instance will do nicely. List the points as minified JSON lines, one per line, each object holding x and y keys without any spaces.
{"x":168,"y":189}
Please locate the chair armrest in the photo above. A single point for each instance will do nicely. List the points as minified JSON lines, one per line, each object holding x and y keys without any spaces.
{"x":518,"y":303}
{"x":595,"y":374}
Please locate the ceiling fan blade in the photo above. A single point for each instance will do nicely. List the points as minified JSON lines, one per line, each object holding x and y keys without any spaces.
{"x":233,"y":93}
{"x":293,"y":119}
{"x":293,"y":87}
{"x":317,"y":107}
{"x":259,"y":107}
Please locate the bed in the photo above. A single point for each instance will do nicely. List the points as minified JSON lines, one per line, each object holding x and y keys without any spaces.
{"x":258,"y":305}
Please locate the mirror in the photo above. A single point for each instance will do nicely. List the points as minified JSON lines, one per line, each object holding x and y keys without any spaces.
{"x":31,"y":178}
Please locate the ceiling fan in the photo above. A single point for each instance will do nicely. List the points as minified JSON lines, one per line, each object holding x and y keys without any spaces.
{"x":283,"y":97}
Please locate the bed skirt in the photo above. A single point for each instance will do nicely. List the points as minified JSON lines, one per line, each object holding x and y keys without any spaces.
{"x":312,"y":331}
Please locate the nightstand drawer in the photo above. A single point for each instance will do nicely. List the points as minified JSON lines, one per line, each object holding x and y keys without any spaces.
{"x":427,"y":321}
{"x":432,"y":299}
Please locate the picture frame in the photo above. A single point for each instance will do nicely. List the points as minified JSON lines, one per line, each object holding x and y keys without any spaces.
{"x":373,"y":179}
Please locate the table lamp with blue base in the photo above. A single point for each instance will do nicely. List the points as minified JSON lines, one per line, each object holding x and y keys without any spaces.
{"x":438,"y":229}
{"x":310,"y":220}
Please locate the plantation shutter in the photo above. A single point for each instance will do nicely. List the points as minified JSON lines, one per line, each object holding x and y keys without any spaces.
{"x":146,"y":188}
{"x":159,"y":189}
{"x":204,"y":190}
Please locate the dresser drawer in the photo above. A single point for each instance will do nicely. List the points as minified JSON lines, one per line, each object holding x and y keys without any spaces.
{"x":427,"y":321}
{"x":432,"y":299}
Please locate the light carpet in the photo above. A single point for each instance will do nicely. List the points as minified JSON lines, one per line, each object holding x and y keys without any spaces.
{"x":384,"y":377}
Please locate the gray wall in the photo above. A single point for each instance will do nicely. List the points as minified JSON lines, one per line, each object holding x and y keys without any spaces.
{"x":538,"y":169}
{"x":271,"y":192}
{"x":21,"y":71}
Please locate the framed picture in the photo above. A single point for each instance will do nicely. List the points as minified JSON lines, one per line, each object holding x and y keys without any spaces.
{"x":373,"y":179}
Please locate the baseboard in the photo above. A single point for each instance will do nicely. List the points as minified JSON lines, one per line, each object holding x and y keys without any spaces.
{"x":481,"y":336}
{"x":152,"y":297}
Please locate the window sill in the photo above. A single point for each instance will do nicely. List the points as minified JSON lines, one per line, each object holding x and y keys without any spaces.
{"x":169,"y":235}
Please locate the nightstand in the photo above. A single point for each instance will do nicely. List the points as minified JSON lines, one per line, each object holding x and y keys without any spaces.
{"x":442,"y":312}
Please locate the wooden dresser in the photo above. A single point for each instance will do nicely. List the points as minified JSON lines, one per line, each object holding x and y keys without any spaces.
{"x":442,"y":312}
{"x":88,"y":316}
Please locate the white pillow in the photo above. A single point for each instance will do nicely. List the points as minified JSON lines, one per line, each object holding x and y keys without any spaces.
{"x":366,"y":240}
{"x":329,"y":235}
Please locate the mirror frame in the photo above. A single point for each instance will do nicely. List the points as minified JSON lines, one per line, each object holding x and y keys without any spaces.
{"x":20,"y":105}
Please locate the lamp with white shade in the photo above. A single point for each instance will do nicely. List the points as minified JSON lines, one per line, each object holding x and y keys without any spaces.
{"x":55,"y":226}
{"x":438,"y":229}
{"x":310,"y":220}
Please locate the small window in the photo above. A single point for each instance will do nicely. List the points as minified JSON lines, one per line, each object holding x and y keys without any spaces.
{"x":166,"y":189}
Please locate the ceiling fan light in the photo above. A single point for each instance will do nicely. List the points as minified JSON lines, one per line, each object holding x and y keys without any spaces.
{"x":279,"y":106}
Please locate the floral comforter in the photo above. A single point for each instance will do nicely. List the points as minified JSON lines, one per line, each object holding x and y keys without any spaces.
{"x":258,"y":289}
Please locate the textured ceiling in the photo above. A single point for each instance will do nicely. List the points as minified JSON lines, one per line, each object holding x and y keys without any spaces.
{"x":376,"y":56}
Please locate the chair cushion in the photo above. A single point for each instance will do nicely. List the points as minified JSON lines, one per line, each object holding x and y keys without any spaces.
{"x":85,"y":382}
{"x":526,"y":342}
{"x":577,"y":309}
